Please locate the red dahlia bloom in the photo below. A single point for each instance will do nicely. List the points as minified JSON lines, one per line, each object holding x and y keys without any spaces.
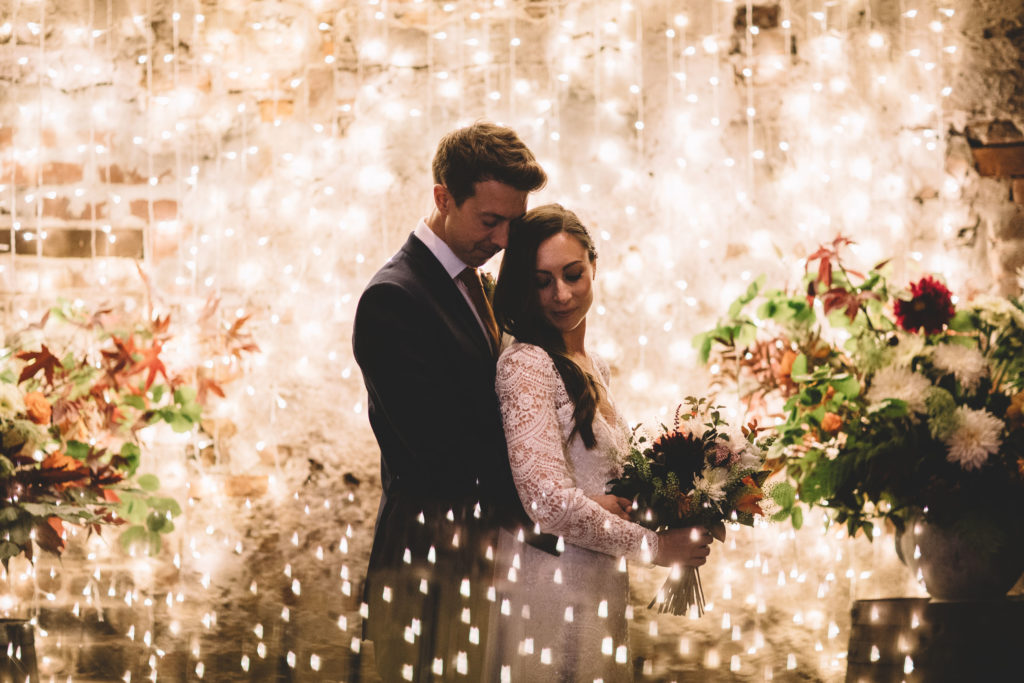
{"x":930,"y":308}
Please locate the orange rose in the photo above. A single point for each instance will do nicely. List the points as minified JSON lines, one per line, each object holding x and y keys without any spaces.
{"x":1015,"y":413}
{"x":831,"y":423}
{"x":786,"y":365}
{"x":37,"y":407}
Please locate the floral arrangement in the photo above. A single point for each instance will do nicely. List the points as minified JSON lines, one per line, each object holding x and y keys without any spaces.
{"x":700,"y":472}
{"x":893,"y":403}
{"x":75,"y":390}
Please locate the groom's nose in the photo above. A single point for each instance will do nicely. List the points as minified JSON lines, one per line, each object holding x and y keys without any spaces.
{"x":500,"y":235}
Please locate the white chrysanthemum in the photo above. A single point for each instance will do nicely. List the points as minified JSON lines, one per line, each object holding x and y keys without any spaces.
{"x":963,"y":362}
{"x":997,"y":311}
{"x":899,"y":383}
{"x":11,"y":401}
{"x":977,"y":436}
{"x":908,"y":347}
{"x":711,"y":482}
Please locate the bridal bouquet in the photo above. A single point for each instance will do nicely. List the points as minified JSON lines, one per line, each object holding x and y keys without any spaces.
{"x":893,"y":402}
{"x":700,"y":472}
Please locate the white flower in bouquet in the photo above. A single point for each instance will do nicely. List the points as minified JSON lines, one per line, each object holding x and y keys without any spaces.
{"x":997,"y":311}
{"x":965,"y":363}
{"x":899,"y":383}
{"x":711,"y":482}
{"x":976,"y":437}
{"x":909,"y":346}
{"x":12,"y":403}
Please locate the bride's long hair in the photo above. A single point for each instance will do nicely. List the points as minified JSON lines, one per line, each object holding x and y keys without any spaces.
{"x":517,"y":304}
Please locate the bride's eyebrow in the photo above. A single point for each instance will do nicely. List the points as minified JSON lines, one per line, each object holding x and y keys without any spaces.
{"x":564,"y":267}
{"x":538,"y":271}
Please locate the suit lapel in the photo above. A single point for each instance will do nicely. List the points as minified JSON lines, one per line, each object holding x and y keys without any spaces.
{"x":445,"y":291}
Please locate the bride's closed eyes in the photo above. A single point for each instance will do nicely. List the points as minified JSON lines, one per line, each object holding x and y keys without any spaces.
{"x":571,"y":273}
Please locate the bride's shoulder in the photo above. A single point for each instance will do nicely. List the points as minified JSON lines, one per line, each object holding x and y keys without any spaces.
{"x":522,"y":353}
{"x":601,"y":367}
{"x":520,"y":357}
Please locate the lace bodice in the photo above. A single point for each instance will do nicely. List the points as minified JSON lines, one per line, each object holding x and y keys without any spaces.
{"x":556,"y":476}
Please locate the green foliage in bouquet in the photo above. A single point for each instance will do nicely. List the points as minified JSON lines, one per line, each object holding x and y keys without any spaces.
{"x":700,"y":472}
{"x":75,"y":389}
{"x":890,"y":401}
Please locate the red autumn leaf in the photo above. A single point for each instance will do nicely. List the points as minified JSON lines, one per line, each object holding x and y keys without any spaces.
{"x":151,"y":363}
{"x":161,"y":325}
{"x":748,"y":502}
{"x":38,"y":360}
{"x":62,"y":471}
{"x":111,"y":496}
{"x":121,"y":357}
{"x":52,"y":531}
{"x":207,"y":386}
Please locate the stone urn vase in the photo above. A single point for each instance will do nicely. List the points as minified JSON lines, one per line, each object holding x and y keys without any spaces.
{"x":957,"y":566}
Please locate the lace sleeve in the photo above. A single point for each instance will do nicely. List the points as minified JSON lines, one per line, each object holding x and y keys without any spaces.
{"x":527,"y":384}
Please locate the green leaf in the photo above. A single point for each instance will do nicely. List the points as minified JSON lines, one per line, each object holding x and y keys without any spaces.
{"x":135,"y":401}
{"x":180,"y":423}
{"x":132,"y":535}
{"x":157,"y":392}
{"x":159,"y":523}
{"x":9,"y":514}
{"x":184,"y":395}
{"x":848,"y":386}
{"x":77,"y":450}
{"x":797,"y":518}
{"x":148,"y":482}
{"x":131,"y":453}
{"x":165,"y":505}
{"x":132,"y":508}
{"x":784,"y":495}
{"x":703,"y":342}
{"x":799,"y":371}
{"x":746,"y":335}
{"x":9,"y":550}
{"x":963,"y":321}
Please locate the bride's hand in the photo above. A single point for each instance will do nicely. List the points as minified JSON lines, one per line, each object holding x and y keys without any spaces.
{"x":616,"y":505}
{"x":688,"y":546}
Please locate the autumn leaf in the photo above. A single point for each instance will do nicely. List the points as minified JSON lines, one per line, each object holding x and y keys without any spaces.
{"x":151,"y":364}
{"x":38,"y":360}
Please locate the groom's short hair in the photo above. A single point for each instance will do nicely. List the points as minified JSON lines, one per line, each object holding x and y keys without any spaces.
{"x":485,"y":151}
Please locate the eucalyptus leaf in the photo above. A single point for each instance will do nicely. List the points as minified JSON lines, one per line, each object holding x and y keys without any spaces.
{"x":148,"y":482}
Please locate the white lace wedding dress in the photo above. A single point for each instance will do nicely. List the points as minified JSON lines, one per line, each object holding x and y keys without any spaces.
{"x":562,"y":618}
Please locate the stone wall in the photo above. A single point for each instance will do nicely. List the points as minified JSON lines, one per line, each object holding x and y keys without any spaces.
{"x":273,"y":154}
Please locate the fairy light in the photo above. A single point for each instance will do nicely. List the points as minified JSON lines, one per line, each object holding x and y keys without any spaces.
{"x":251,"y":202}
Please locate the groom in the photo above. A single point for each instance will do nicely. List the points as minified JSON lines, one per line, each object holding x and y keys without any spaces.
{"x":426,"y":341}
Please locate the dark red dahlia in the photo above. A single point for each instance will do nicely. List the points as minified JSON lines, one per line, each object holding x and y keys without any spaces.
{"x":680,"y":453}
{"x":930,"y":308}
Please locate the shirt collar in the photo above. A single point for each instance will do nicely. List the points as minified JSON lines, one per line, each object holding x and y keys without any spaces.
{"x":441,"y":251}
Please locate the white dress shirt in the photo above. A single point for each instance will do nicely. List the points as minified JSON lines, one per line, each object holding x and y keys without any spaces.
{"x":451,"y":263}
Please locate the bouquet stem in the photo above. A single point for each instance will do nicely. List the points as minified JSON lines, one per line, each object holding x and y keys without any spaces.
{"x":680,"y":592}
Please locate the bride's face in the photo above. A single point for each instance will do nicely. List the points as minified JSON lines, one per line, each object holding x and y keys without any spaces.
{"x":564,"y":277}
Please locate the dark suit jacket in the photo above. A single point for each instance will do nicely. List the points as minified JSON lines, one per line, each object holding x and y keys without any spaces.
{"x":429,"y":373}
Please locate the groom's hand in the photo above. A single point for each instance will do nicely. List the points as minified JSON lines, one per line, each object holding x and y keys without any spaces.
{"x":689,"y":547}
{"x":617,"y":505}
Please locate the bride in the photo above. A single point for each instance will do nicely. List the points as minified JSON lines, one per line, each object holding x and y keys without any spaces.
{"x":564,"y":617}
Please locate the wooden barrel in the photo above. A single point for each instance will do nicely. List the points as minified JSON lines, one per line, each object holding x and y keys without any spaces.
{"x":918,"y":640}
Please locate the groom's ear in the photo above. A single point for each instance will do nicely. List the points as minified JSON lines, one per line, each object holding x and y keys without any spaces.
{"x":443,"y":199}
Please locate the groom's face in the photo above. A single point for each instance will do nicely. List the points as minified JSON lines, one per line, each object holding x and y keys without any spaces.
{"x":478,"y":229}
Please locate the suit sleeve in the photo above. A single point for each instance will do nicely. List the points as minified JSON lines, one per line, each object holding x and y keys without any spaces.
{"x":416,"y":399}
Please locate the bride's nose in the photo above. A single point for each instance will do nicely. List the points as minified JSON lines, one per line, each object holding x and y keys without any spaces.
{"x":562,"y":291}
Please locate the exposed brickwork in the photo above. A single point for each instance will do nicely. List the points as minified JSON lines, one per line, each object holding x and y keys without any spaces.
{"x":1001,"y":161}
